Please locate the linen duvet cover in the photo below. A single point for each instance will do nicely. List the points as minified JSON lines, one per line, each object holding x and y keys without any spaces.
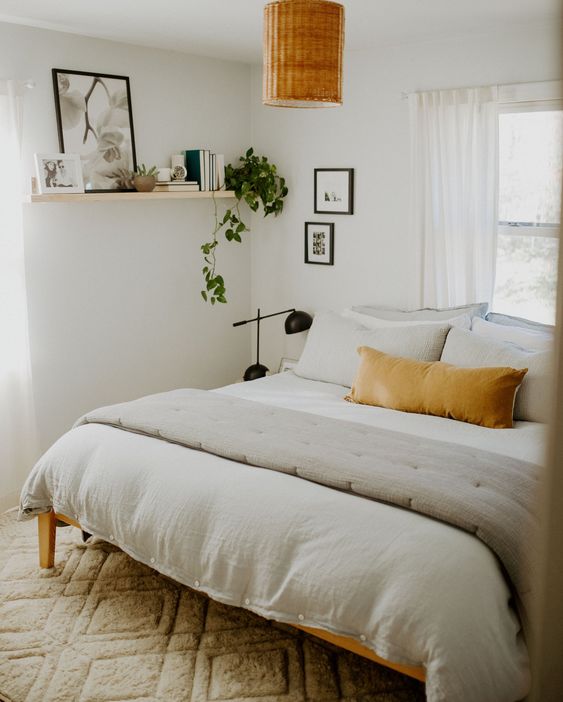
{"x":413,"y":589}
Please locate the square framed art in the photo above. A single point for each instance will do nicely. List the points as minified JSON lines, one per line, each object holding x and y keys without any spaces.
{"x":95,"y":121}
{"x":58,"y":173}
{"x":319,"y":243}
{"x":334,"y":191}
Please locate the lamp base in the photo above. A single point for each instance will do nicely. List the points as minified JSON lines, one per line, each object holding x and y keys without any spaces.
{"x":255,"y":371}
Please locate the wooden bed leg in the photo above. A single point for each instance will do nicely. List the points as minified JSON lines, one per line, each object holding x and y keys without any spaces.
{"x":46,"y":528}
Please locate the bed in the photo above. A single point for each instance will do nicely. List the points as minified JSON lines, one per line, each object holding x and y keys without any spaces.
{"x":411,"y":592}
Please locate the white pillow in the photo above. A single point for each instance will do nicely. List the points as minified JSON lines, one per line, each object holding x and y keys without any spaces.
{"x":427,"y":314}
{"x":372,"y":321}
{"x":330,"y":352}
{"x":527,"y":339}
{"x":467,"y":349}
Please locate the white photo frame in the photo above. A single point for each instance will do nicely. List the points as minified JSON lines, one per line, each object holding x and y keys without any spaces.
{"x":59,"y":173}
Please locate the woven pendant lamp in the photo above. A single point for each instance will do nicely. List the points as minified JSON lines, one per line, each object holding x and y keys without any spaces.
{"x":303,"y":44}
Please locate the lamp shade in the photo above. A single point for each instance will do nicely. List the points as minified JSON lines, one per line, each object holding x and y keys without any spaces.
{"x":298,"y":321}
{"x":255,"y":371}
{"x":303,"y":46}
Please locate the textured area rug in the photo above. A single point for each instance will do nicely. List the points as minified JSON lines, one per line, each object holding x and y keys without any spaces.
{"x":100,"y":627}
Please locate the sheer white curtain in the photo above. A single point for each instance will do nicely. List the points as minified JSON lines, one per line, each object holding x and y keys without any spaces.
{"x":18,"y":443}
{"x":454,"y":141}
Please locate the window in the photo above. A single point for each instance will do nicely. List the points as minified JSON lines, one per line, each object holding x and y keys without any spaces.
{"x":530,"y":165}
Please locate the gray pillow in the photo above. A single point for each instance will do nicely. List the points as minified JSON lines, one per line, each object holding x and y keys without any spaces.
{"x":509,"y":321}
{"x":426,"y":314}
{"x":466,"y":349}
{"x":330,"y":352}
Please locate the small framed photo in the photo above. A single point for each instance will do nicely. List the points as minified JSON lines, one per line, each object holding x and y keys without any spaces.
{"x":59,"y":173}
{"x":287,"y":364}
{"x":334,"y":191}
{"x":319,"y":243}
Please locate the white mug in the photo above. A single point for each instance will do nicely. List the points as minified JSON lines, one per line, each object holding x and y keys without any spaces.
{"x":164,"y":175}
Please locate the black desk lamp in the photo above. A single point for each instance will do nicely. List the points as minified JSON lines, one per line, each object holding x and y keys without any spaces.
{"x":297,"y":321}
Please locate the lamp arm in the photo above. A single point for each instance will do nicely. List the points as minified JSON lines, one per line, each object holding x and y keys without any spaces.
{"x":266,"y":316}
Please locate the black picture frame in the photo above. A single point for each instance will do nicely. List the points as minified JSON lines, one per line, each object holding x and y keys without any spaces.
{"x":347,"y":176}
{"x":121,"y":155}
{"x":309,"y":254}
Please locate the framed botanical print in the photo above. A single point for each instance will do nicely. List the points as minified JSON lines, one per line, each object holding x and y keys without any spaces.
{"x":94,"y":120}
{"x":334,"y":191}
{"x":319,"y":243}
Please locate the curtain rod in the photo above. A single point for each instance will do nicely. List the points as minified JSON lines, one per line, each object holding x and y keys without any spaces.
{"x":529,"y":91}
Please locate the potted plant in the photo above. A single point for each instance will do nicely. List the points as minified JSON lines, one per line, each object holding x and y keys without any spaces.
{"x":145,"y":178}
{"x":255,"y":181}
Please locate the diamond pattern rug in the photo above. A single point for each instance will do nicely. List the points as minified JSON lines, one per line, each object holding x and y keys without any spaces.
{"x":100,"y":627}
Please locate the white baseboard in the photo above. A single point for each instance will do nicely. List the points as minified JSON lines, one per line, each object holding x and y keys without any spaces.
{"x":8,"y":501}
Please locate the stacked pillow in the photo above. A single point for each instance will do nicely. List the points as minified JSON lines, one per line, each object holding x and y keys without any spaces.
{"x":521,"y":336}
{"x":428,"y":314}
{"x":486,"y":376}
{"x":371,"y":321}
{"x":510,"y":321}
{"x":483,"y":396}
{"x":330,"y":353}
{"x":469,"y":350}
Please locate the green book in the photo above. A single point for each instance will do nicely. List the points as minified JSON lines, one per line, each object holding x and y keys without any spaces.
{"x":194,"y":160}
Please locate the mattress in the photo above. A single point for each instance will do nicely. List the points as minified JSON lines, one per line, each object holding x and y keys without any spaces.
{"x":413,"y":589}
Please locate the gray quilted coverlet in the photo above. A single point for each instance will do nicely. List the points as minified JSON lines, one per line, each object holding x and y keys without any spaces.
{"x":486,"y":494}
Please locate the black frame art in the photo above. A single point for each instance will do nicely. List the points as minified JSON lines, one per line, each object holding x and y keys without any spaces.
{"x":334,"y":191}
{"x":95,"y":121}
{"x":318,"y":248}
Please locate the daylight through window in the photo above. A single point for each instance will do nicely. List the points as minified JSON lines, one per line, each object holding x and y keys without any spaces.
{"x":530,"y":165}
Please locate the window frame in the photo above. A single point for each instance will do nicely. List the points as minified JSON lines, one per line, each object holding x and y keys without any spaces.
{"x":524,"y":101}
{"x":526,"y":97}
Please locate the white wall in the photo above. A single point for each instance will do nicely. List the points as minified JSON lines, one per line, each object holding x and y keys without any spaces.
{"x":375,"y":258}
{"x":114,"y":304}
{"x":114,"y":289}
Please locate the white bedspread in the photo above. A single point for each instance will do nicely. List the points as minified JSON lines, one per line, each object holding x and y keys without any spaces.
{"x":413,"y":589}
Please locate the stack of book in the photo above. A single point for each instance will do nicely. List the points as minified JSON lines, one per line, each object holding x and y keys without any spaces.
{"x":177,"y":186}
{"x":205,"y":168}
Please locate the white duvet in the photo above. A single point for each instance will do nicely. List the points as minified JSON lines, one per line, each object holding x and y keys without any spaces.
{"x":414,"y":590}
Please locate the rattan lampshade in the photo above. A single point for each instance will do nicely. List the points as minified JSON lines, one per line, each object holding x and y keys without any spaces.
{"x":303,"y":44}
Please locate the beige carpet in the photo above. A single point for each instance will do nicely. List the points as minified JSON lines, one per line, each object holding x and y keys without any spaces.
{"x":100,"y":627}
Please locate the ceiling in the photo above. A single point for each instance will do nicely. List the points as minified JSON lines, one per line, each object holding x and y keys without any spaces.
{"x":232,"y":28}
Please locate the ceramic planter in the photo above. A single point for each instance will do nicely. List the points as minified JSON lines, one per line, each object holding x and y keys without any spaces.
{"x":144,"y":184}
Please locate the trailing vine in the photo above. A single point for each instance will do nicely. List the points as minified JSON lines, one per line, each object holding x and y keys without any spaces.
{"x":254,"y":181}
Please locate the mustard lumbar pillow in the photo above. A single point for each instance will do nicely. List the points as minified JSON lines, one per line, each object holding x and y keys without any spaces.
{"x":483,"y":396}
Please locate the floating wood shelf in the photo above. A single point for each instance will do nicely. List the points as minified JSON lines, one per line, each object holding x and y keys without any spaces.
{"x":127,"y":196}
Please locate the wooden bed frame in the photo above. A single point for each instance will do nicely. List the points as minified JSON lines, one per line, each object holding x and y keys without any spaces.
{"x":47,"y":532}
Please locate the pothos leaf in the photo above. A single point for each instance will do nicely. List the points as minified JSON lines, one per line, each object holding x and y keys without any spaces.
{"x":254,"y":181}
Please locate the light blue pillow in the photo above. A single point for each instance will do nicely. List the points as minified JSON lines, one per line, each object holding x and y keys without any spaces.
{"x":509,"y":321}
